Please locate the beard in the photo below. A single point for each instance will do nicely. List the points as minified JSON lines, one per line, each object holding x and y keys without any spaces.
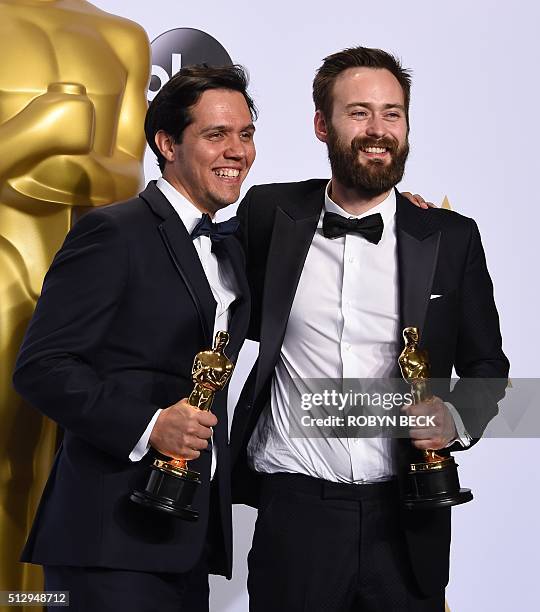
{"x":373,"y":177}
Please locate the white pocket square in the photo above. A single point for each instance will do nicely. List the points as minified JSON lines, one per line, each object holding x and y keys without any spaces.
{"x":435,"y":296}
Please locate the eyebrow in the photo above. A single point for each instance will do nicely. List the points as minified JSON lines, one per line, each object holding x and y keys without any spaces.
{"x":227,"y":128}
{"x":369,"y":105}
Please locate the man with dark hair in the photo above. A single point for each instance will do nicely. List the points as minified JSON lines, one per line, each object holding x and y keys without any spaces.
{"x":136,"y":291}
{"x":337,"y":269}
{"x":171,"y":111}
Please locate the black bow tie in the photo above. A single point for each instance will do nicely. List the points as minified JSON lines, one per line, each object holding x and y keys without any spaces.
{"x":370,"y":227}
{"x":215,"y":231}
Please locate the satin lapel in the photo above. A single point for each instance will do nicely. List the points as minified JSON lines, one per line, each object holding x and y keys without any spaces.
{"x":184,"y":257}
{"x":418,"y":248}
{"x":239,"y":318}
{"x":188,"y":265}
{"x":291,"y":239}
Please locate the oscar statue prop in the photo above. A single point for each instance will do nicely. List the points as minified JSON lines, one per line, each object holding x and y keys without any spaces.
{"x":172,"y":485}
{"x":432,"y":482}
{"x":72,"y":87}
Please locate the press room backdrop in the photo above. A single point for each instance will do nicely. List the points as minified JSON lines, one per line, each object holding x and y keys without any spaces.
{"x":474,"y":138}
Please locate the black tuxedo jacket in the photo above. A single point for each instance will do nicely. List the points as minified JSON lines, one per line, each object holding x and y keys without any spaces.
{"x":124,"y":309}
{"x":439,"y":252}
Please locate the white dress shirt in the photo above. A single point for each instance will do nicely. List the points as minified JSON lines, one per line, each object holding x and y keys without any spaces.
{"x":343,"y":324}
{"x":220,"y":277}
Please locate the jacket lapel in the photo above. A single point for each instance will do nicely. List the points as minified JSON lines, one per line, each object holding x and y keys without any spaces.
{"x":231,"y":249}
{"x":418,"y":248}
{"x":291,"y":238}
{"x":180,"y":247}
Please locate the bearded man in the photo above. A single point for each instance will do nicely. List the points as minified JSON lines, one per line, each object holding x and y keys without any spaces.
{"x":337,"y":269}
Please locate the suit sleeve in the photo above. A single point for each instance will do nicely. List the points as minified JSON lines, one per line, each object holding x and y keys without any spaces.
{"x":480,"y":362}
{"x":57,"y":369}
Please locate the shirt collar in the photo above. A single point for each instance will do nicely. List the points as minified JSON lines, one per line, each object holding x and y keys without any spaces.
{"x":188,"y":213}
{"x":387,"y":208}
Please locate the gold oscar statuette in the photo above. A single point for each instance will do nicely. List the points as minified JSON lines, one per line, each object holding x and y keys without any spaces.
{"x":171,"y":485}
{"x":432,"y":482}
{"x":72,"y":105}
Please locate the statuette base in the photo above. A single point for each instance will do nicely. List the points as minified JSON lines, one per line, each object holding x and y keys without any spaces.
{"x":170,"y":491}
{"x":434,"y":485}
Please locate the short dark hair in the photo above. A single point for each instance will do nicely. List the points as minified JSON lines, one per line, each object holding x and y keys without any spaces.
{"x":356,"y":57}
{"x":170,"y":109}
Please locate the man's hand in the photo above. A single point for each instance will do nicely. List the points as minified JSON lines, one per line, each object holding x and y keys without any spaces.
{"x":182,"y":431}
{"x":437,"y":436}
{"x":417,"y":200}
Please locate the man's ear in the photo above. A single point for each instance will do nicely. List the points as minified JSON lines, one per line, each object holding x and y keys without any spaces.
{"x":320,"y":125}
{"x":165,"y":144}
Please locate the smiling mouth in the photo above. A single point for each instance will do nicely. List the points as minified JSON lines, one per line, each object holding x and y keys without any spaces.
{"x":228,"y":173}
{"x":374,"y":150}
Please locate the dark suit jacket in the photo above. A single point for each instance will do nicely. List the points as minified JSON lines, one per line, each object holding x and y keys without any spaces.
{"x":124,"y":309}
{"x":439,"y":252}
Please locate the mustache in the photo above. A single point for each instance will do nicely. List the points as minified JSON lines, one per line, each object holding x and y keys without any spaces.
{"x":361,"y":142}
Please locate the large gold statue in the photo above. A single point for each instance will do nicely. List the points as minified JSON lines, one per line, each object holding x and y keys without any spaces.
{"x":72,"y":105}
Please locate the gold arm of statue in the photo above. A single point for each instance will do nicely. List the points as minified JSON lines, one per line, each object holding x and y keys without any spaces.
{"x":59,"y":121}
{"x":67,"y":158}
{"x":415,"y":369}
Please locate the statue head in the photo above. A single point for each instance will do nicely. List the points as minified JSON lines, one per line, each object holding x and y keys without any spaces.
{"x":411,"y":336}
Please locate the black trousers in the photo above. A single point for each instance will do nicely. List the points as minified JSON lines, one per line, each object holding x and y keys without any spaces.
{"x":329,"y":547}
{"x":97,"y":589}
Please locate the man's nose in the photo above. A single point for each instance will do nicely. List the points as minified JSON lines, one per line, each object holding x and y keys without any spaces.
{"x":375,"y":127}
{"x":235,"y":149}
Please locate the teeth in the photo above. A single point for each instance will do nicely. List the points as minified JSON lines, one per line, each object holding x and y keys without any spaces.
{"x":375,"y":149}
{"x":230,"y":172}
